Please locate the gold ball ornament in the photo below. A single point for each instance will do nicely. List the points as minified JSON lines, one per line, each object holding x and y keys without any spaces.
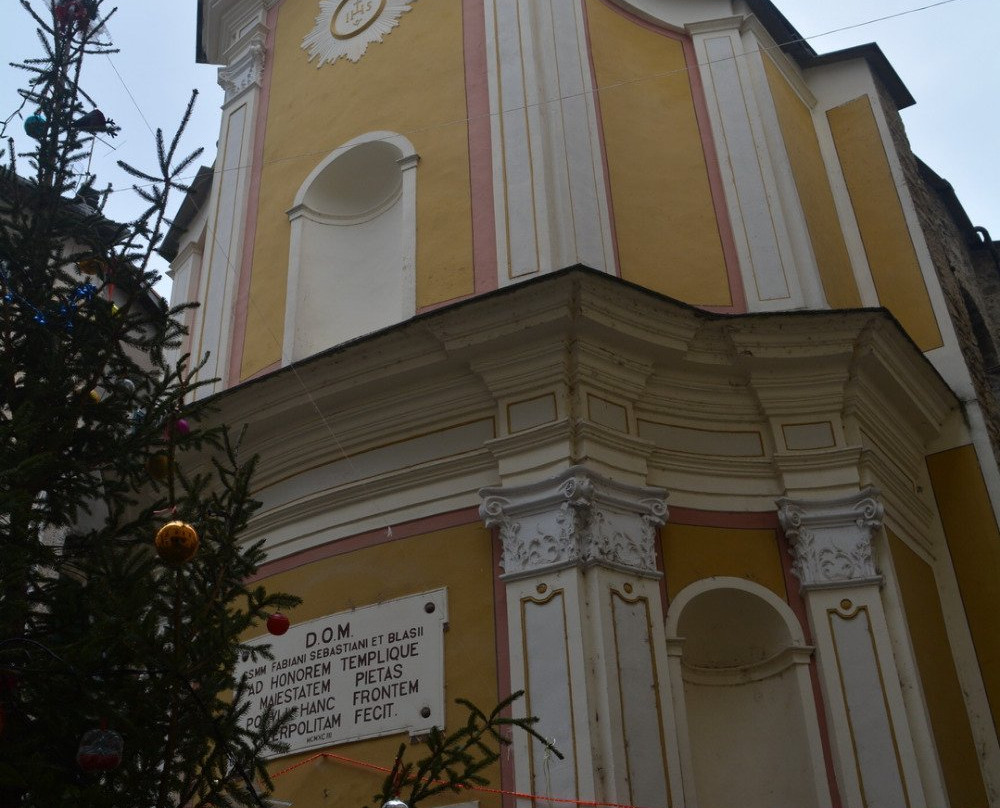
{"x":177,"y":542}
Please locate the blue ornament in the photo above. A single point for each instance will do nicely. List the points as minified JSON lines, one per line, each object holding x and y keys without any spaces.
{"x":35,"y":125}
{"x":40,"y":318}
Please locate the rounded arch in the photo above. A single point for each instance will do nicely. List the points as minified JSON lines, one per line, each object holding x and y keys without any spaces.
{"x":694,"y":590}
{"x":352,"y":251}
{"x":404,"y":150}
{"x":741,"y":682}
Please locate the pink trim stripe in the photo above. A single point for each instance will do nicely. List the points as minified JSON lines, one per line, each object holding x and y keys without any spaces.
{"x":739,"y":301}
{"x":371,"y":538}
{"x":241,"y":304}
{"x":501,"y":626}
{"x":744,"y":520}
{"x":798,"y":605}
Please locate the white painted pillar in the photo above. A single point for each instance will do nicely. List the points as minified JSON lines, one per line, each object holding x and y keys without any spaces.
{"x":224,"y":238}
{"x":744,"y":132}
{"x":586,"y":637}
{"x":550,"y":194}
{"x":834,"y":559}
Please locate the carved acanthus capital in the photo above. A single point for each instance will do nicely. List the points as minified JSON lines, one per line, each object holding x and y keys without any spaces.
{"x":576,"y":518}
{"x":247,"y":67}
{"x":832,"y":540}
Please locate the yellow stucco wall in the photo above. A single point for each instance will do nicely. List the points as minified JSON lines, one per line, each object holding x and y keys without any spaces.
{"x":668,"y":233}
{"x":974,"y":544}
{"x":879,"y":213}
{"x":412,"y":83}
{"x":459,"y":559}
{"x":692,"y":552}
{"x":942,"y":690}
{"x":813,"y":184}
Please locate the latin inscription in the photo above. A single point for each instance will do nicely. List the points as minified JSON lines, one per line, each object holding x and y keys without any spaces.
{"x":373,"y":671}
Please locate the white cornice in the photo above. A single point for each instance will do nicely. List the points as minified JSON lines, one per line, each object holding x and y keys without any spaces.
{"x":225,"y":23}
{"x":715,"y":26}
{"x":682,"y":369}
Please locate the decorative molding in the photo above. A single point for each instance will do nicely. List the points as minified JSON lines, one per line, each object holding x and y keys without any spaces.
{"x":745,"y":674}
{"x":345,"y":28}
{"x":577,"y":518}
{"x":832,"y":540}
{"x":247,"y":69}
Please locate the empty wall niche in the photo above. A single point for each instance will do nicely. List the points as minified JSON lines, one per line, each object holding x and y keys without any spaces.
{"x":747,"y":698}
{"x":353,"y":239}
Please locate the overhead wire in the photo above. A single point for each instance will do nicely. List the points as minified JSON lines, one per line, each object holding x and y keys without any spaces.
{"x":557,"y":99}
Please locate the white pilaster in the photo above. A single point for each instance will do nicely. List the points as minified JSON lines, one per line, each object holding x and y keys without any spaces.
{"x":242,"y":34}
{"x":586,"y":637}
{"x":550,"y":193}
{"x":753,"y":192}
{"x":834,"y":560}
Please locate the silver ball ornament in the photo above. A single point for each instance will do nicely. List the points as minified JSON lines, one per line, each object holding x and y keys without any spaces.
{"x":395,"y":803}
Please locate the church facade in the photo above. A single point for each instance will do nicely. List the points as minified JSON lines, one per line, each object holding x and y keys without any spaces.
{"x":619,"y":352}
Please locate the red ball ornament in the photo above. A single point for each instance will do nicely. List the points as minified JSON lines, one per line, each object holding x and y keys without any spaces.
{"x":100,"y":750}
{"x":277,"y":624}
{"x":64,"y":12}
{"x":75,"y":11}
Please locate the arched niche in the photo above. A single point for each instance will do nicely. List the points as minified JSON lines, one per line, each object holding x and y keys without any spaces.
{"x":353,"y":241}
{"x":740,"y":675}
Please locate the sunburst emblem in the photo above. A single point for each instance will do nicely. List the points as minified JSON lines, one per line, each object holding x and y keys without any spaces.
{"x":347,"y":27}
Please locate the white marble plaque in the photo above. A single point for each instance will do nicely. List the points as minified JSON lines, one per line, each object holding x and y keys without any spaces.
{"x":376,"y":670}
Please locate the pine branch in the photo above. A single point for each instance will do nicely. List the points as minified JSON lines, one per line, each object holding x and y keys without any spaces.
{"x":456,"y":761}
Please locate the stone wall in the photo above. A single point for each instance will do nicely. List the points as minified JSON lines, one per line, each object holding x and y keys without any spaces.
{"x":967,"y":265}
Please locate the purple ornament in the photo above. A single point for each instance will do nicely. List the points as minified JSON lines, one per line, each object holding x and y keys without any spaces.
{"x":178,"y":428}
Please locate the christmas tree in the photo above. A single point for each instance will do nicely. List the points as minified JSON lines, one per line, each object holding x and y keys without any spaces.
{"x":124,"y":594}
{"x":123,"y":584}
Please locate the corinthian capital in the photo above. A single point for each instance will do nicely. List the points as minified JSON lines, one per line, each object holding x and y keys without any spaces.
{"x":576,"y":518}
{"x":246,"y":66}
{"x":832,"y":539}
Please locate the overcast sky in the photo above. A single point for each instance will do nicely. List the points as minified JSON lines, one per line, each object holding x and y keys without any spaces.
{"x":947,"y":55}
